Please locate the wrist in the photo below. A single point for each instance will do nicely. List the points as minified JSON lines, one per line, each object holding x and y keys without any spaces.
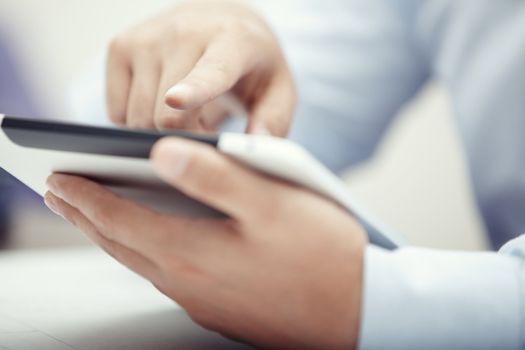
{"x":345,"y":330}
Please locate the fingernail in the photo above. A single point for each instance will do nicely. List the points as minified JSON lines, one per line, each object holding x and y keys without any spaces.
{"x":181,"y":91}
{"x":50,"y":202}
{"x":170,"y":158}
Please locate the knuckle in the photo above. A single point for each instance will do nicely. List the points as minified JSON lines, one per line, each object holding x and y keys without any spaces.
{"x":102,"y":220}
{"x":180,"y":267}
{"x":144,"y":43}
{"x":145,"y":38}
{"x":118,"y":46}
{"x":116,"y":117}
{"x":177,"y":265}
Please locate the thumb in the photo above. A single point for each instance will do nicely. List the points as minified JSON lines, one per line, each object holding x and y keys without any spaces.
{"x":202,"y":173}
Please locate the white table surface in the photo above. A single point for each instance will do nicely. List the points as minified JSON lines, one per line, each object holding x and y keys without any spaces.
{"x":79,"y":298}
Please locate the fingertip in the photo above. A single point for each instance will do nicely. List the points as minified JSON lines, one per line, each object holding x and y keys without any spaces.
{"x":170,"y":118}
{"x":160,"y":148}
{"x":63,"y":186}
{"x":49,"y":198}
{"x":179,"y":96}
{"x":53,"y":183}
{"x":157,"y":151}
{"x":51,"y":203}
{"x":269,"y":127}
{"x":117,"y":119}
{"x":170,"y":157}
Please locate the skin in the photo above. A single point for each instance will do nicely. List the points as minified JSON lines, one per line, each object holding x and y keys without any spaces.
{"x":284,"y":270}
{"x":171,"y":71}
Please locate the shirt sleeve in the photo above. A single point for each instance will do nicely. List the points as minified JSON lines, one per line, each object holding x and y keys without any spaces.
{"x":415,"y":298}
{"x":355,"y":65}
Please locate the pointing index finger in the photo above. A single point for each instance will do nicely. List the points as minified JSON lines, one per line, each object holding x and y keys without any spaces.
{"x":217,"y":71}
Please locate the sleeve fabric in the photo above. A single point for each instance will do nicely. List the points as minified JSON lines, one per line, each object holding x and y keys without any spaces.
{"x":419,"y":298}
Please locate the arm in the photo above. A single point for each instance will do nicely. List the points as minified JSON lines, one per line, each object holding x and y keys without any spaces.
{"x":445,"y":300}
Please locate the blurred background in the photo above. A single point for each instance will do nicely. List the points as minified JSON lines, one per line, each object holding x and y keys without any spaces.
{"x":417,"y":182}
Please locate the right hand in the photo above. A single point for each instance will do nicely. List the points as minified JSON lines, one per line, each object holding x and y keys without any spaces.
{"x":170,"y":71}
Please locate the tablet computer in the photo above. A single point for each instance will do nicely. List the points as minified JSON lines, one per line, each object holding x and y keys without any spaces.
{"x":31,"y":150}
{"x":118,"y":158}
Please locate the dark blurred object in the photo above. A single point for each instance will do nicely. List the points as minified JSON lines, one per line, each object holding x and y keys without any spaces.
{"x":5,"y":194}
{"x":15,"y":99}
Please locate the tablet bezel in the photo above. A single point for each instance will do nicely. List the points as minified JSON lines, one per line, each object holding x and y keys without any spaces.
{"x":67,"y":137}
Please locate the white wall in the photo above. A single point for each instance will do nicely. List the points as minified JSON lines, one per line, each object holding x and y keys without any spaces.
{"x":417,"y":183}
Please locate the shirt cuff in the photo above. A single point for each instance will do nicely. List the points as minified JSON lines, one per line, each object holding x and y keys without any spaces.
{"x":416,"y":298}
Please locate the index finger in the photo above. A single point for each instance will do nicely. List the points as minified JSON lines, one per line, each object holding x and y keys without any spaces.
{"x":217,"y":71}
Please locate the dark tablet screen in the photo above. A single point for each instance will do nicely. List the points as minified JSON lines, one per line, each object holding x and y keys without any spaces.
{"x":69,"y":137}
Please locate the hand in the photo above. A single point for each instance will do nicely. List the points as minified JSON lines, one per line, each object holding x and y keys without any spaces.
{"x":170,"y":71}
{"x":283,"y":271}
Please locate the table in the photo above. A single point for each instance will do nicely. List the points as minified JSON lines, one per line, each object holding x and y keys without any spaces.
{"x":82,"y":299}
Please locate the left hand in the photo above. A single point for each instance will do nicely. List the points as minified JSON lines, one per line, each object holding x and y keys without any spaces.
{"x":284,"y":271}
{"x":174,"y":70}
